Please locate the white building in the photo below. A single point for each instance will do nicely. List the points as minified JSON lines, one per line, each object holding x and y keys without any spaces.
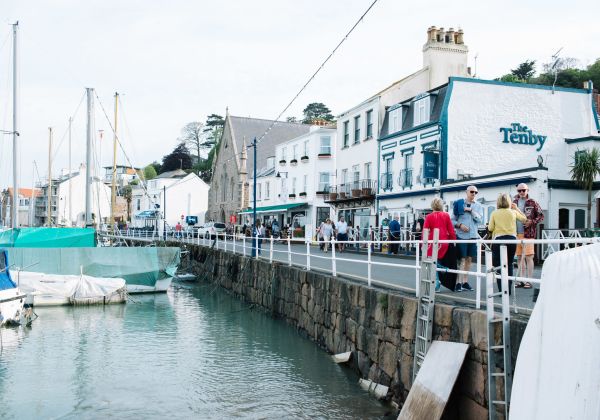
{"x":26,"y":210}
{"x":174,"y":195}
{"x":293,"y":186}
{"x":491,"y":134}
{"x":444,"y":55}
{"x":125,"y":174}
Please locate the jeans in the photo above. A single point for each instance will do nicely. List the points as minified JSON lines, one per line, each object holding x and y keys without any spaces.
{"x":510,"y":254}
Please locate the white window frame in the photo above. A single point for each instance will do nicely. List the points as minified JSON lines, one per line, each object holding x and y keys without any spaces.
{"x":357,"y":129}
{"x":368,"y":170}
{"x":395,"y":120}
{"x":294,"y":185}
{"x":295,"y":151}
{"x":267,"y":190}
{"x":283,"y":153}
{"x":324,"y":180}
{"x":421,"y":111}
{"x":305,"y":187}
{"x":325,"y":143}
{"x":305,"y":147}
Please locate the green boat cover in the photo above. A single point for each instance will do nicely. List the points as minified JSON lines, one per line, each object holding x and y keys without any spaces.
{"x":48,"y":237}
{"x":137,"y":265}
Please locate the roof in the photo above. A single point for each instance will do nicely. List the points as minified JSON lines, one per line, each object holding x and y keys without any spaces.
{"x":243,"y":128}
{"x":26,"y":192}
{"x":178,"y":173}
{"x":277,"y":208}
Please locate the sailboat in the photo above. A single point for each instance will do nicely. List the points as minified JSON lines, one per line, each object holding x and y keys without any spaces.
{"x":11,"y":298}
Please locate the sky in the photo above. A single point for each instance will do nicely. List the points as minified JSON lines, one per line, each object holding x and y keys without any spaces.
{"x":178,"y":61}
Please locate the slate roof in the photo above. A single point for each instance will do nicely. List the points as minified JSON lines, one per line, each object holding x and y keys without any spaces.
{"x":177,"y":173}
{"x":248,"y":128}
{"x":436,"y":102}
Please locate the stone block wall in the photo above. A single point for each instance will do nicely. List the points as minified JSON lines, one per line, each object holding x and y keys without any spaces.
{"x":376,"y":325}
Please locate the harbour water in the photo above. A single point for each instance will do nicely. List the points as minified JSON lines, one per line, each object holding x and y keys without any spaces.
{"x":194,"y":352}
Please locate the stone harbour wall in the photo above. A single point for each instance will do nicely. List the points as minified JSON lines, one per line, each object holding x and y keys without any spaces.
{"x":376,"y":325}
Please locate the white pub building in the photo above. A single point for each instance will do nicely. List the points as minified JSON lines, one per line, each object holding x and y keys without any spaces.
{"x":491,"y":134}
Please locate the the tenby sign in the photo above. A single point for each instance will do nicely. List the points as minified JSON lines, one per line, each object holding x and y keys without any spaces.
{"x":521,"y":134}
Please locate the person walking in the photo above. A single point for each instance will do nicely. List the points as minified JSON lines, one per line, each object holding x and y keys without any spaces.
{"x":467,"y":215}
{"x":178,"y":230}
{"x":258,"y":232}
{"x":342,"y":233}
{"x":394,"y":229}
{"x":439,"y":219}
{"x":503,"y":226}
{"x":528,"y":230}
{"x":356,"y":237}
{"x":326,"y":232}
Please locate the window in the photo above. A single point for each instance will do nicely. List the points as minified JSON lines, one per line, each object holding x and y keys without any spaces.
{"x":421,"y":112}
{"x":270,"y":162}
{"x":294,"y":185}
{"x":325,"y":145}
{"x":138,"y":205}
{"x":346,"y":133}
{"x":407,"y":173}
{"x":305,"y":147}
{"x":295,"y":152}
{"x":578,"y":154}
{"x":395,"y":120}
{"x":258,"y":191}
{"x":387,"y":176}
{"x":357,"y":129}
{"x":324,"y":181}
{"x":305,"y":184}
{"x":344,"y":176}
{"x":368,"y":170}
{"x":283,"y":153}
{"x":267,"y":190}
{"x":355,"y":177}
{"x":369,"y":123}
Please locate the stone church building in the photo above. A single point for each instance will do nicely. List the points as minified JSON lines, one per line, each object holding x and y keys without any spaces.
{"x":234,"y":163}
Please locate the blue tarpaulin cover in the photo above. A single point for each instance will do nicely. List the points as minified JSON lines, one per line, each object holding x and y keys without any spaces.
{"x":5,"y":280}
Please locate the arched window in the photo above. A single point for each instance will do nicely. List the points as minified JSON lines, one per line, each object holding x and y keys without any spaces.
{"x":232,"y":189}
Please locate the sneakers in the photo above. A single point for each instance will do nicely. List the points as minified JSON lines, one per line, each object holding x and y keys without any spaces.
{"x":437,"y":286}
{"x":458,"y":287}
{"x":467,"y":287}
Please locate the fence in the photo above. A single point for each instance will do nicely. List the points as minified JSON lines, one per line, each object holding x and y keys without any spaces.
{"x":301,"y":252}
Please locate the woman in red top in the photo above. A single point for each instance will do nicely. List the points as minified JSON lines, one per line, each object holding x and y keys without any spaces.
{"x":439,"y":219}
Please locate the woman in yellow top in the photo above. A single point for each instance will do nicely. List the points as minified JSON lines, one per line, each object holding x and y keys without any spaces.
{"x":503,"y":225}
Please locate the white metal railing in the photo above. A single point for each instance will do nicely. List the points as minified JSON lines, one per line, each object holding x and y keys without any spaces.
{"x":301,"y":252}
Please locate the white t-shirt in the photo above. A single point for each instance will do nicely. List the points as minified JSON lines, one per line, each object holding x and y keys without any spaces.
{"x":342,"y":227}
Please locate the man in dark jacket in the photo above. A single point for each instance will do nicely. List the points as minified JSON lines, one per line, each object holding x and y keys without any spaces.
{"x":527,"y":230}
{"x":394,"y":229}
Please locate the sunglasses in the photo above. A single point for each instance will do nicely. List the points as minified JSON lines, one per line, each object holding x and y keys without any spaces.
{"x":473,"y":192}
{"x":521,"y":190}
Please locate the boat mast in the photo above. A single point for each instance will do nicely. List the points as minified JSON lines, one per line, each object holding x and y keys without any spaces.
{"x":88,"y":157}
{"x":15,"y":198}
{"x":49,"y":210}
{"x":70,"y":186}
{"x":113,"y":190}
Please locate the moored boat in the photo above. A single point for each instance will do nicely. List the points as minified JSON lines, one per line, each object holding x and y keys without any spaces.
{"x":11,"y":297}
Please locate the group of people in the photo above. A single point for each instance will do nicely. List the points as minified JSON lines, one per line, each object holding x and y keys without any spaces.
{"x":515,"y":218}
{"x":340,"y":231}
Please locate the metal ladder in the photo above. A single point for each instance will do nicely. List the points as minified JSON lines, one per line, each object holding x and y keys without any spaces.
{"x":498,"y":352}
{"x":426,"y":296}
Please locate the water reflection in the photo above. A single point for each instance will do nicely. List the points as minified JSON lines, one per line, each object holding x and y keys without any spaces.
{"x":194,"y":352}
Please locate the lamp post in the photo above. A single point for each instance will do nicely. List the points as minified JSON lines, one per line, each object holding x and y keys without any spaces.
{"x":255,"y":245}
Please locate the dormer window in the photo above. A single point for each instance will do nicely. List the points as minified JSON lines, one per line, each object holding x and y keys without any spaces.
{"x":422,"y":110}
{"x":395,"y":119}
{"x":270,"y":162}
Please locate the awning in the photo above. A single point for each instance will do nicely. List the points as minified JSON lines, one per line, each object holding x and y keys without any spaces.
{"x":274,"y":209}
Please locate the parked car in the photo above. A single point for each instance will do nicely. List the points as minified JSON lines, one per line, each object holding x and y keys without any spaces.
{"x":210,"y":230}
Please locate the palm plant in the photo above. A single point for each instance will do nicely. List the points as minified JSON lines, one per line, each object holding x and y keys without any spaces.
{"x":584,"y":171}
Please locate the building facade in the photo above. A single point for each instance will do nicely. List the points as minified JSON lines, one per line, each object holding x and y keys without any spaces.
{"x":491,"y":134}
{"x":229,"y":192}
{"x":444,"y":55}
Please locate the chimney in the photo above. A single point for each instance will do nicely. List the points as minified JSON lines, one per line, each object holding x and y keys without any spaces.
{"x":442,"y":35}
{"x":433,"y":34}
{"x":450,"y":36}
{"x":459,"y":36}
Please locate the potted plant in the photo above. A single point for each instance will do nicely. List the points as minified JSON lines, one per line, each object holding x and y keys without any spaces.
{"x":282,"y":162}
{"x":333,"y":196}
{"x":356,"y":192}
{"x":324,"y":155}
{"x":302,"y":194}
{"x":294,"y":162}
{"x":292,"y":195}
{"x":304,"y":159}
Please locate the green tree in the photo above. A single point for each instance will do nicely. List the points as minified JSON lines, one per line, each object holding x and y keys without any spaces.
{"x":316,"y":111}
{"x":179,"y":158}
{"x":157,"y":167}
{"x":525,"y":70}
{"x":585,"y":169}
{"x":511,"y":78}
{"x":149,"y":172}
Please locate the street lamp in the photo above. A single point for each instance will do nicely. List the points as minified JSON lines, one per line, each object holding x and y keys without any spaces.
{"x":254,"y":248}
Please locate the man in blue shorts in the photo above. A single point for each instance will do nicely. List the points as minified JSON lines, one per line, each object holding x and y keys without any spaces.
{"x":467,"y":215}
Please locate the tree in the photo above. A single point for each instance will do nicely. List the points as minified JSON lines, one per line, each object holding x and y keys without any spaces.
{"x":585,"y":169}
{"x":196,"y":138}
{"x":179,"y":158}
{"x":316,"y":111}
{"x":291,"y":119}
{"x":149,"y":172}
{"x":126,"y":192}
{"x":525,"y":70}
{"x":157,"y":167}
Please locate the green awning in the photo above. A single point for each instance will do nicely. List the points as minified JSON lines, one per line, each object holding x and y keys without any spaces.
{"x":274,"y":209}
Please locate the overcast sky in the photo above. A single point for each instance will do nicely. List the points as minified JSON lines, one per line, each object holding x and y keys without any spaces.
{"x":178,"y":61}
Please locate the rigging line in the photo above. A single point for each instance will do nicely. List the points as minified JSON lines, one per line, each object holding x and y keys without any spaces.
{"x":142,"y":181}
{"x":310,"y":79}
{"x":126,"y":124}
{"x":8,"y":32}
{"x":67,"y":129}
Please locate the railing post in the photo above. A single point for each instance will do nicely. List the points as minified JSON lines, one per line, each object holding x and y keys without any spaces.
{"x":216,"y":240}
{"x":244,"y":245}
{"x":289,"y":247}
{"x":333,"y":267}
{"x":256,"y":245}
{"x":417,"y":267}
{"x":307,"y":255}
{"x":478,"y":281}
{"x":233,"y":236}
{"x":369,"y":264}
{"x":271,"y":249}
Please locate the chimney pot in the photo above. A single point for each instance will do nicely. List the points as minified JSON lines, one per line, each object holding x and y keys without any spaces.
{"x":459,"y":37}
{"x":441,"y":35}
{"x":450,"y":36}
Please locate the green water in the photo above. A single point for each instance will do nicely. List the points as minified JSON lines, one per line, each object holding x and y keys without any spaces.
{"x":194,"y":352}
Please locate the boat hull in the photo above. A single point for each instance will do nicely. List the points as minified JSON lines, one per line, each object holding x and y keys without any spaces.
{"x":11,"y":306}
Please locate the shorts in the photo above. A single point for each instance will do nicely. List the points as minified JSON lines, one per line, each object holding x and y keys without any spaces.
{"x":529,"y":248}
{"x":342,"y":237}
{"x":467,"y":250}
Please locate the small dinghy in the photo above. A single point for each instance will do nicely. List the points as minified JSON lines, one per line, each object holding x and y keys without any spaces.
{"x":57,"y":289}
